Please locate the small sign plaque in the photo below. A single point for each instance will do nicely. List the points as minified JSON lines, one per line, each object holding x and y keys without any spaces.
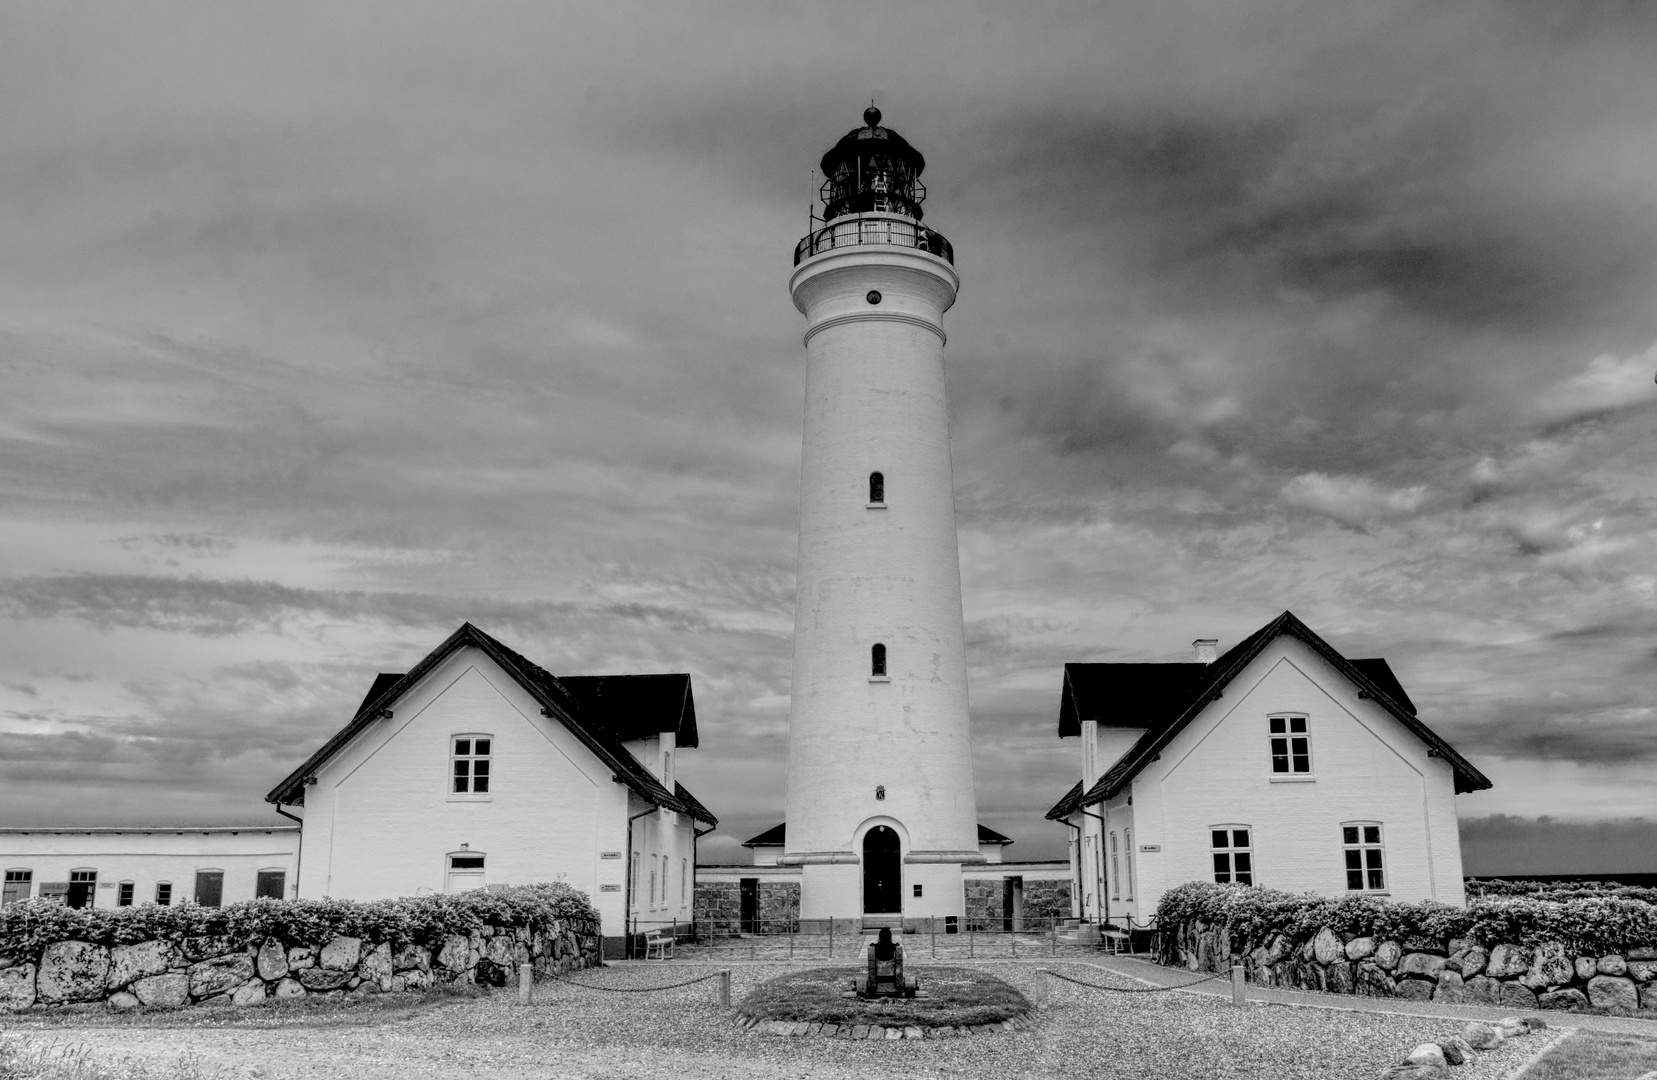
{"x":609,"y":888}
{"x":1150,"y":847}
{"x":609,"y":854}
{"x":106,"y":884}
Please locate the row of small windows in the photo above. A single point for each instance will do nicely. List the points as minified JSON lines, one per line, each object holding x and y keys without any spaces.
{"x":1116,"y":877}
{"x":1361,"y":848}
{"x":82,"y":888}
{"x":661,"y":862}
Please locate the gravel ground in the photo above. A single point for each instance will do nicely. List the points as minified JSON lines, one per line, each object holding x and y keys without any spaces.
{"x":576,"y":1032}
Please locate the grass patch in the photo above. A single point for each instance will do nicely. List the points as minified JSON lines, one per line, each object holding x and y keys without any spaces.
{"x":955,"y":996}
{"x":32,"y":1059}
{"x":1597,"y":1055}
{"x":309,"y":1011}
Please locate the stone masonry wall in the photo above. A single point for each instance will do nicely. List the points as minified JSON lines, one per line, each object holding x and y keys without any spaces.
{"x":208,"y":970}
{"x":1046,"y":901}
{"x":717,"y":906}
{"x":983,"y":903}
{"x":1454,"y":971}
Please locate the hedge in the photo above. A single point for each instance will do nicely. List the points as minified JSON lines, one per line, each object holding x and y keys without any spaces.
{"x":27,"y":928}
{"x":1587,"y":926}
{"x":1558,"y":890}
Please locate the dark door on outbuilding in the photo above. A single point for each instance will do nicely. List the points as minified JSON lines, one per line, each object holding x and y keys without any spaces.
{"x":750,"y":905}
{"x":882,"y":872}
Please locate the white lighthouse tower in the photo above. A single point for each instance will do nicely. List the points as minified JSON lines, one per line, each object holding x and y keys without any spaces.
{"x":881,"y":809}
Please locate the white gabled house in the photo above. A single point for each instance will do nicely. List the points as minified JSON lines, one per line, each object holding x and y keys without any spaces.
{"x":1281,"y":764}
{"x":479,"y":768}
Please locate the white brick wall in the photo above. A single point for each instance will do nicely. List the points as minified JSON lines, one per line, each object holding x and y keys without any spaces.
{"x":147,"y":856}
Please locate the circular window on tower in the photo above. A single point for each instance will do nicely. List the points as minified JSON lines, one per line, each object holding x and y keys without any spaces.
{"x":873,"y":297}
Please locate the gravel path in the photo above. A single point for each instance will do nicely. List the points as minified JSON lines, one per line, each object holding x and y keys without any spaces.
{"x":575,"y":1032}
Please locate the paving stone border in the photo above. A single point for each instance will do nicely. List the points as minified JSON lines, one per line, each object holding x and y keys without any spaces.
{"x":878,"y":1032}
{"x":1438,"y":1060}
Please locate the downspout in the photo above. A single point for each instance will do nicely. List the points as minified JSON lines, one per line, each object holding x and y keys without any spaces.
{"x":1079,"y":885}
{"x":1104,"y":898}
{"x":627,"y":889}
{"x":299,"y":852}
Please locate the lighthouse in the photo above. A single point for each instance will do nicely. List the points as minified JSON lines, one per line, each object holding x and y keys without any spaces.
{"x":881,"y":813}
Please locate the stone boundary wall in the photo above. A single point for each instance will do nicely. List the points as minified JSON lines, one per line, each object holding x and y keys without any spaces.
{"x":216,"y":970}
{"x":1454,"y":971}
{"x":718,"y":907}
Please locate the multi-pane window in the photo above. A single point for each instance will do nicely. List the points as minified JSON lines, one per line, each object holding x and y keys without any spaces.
{"x":1364,"y":869}
{"x":877,"y":661}
{"x":270,"y":884}
{"x":1233,"y":854}
{"x":1127,"y":853}
{"x":1291,"y":745}
{"x":19,"y":884}
{"x":877,"y":488}
{"x":83,"y":886}
{"x":123,"y":894}
{"x":1115,"y":871}
{"x":163,"y":893}
{"x":471,"y":765}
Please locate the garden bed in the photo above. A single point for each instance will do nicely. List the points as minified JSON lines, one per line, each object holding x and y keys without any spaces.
{"x":955,"y":997}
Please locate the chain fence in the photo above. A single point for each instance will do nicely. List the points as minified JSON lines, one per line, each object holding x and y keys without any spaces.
{"x":1133,"y":989}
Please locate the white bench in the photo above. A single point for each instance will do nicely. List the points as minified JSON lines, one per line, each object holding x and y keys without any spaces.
{"x":658,"y":945}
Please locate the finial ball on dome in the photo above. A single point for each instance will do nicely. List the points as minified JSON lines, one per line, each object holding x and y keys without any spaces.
{"x":871,"y":116}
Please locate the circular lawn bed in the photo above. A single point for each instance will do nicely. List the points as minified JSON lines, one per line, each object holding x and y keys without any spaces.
{"x":953,"y":997}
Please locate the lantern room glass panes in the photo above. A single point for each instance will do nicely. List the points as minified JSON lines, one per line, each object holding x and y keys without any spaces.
{"x":1291,"y":745}
{"x":470,"y":761}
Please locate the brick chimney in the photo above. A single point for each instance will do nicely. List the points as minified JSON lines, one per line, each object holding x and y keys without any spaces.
{"x":1208,"y":649}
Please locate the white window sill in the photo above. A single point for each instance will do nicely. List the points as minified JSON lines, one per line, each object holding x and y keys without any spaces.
{"x":471,"y":798}
{"x":877,"y":506}
{"x":1301,"y":778}
{"x":880,"y":678}
{"x":1368,"y":892}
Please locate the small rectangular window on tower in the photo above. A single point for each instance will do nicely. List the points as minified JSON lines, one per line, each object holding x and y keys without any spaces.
{"x":877,"y":489}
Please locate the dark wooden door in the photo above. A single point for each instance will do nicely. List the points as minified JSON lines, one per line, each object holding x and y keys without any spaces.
{"x":750,"y":905}
{"x":882,"y":872}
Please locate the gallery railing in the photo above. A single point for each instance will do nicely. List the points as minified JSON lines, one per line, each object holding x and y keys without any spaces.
{"x":891,"y":231}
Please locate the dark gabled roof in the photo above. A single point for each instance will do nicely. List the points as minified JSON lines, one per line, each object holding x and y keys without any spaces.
{"x":1373,"y":677}
{"x":990,"y":836}
{"x":1068,"y":804}
{"x":556,"y":702}
{"x":693,"y":805}
{"x":384,"y":681}
{"x":1126,"y":695}
{"x":775,"y":836}
{"x":637,"y":706}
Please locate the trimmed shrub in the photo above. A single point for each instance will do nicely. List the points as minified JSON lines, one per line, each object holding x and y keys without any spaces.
{"x":1250,"y":915}
{"x":29,"y":927}
{"x":1557,"y":890}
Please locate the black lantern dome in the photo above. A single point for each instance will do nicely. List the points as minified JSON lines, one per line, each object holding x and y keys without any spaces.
{"x":872,"y":170}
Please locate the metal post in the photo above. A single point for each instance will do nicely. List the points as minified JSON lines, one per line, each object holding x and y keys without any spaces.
{"x":722,"y":989}
{"x":791,"y":941}
{"x":1237,"y":995}
{"x":1053,"y":929}
{"x":526,"y":982}
{"x":831,"y":937}
{"x":972,"y":943}
{"x":1014,"y":936}
{"x":933,"y":924}
{"x":1043,"y":988}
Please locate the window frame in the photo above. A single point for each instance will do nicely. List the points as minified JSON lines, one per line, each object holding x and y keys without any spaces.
{"x":208,"y":871}
{"x":1363,"y":846}
{"x":878,"y":667}
{"x":1288,"y":737}
{"x":25,"y":877}
{"x":1230,"y":852}
{"x":473,"y":759}
{"x":877,"y":490}
{"x":1115,"y":870}
{"x":1127,"y":863}
{"x":91,"y":893}
{"x":281,"y":872}
{"x":449,"y":869}
{"x":124,"y":893}
{"x":168,"y":900}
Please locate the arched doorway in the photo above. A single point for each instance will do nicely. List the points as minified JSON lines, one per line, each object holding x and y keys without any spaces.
{"x":882,"y":872}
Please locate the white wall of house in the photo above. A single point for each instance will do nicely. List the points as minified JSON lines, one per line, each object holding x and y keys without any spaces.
{"x":146,"y":857}
{"x":381,"y":821}
{"x":1366,"y":767}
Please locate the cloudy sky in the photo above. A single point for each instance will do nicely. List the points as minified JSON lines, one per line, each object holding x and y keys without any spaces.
{"x":326,"y":327}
